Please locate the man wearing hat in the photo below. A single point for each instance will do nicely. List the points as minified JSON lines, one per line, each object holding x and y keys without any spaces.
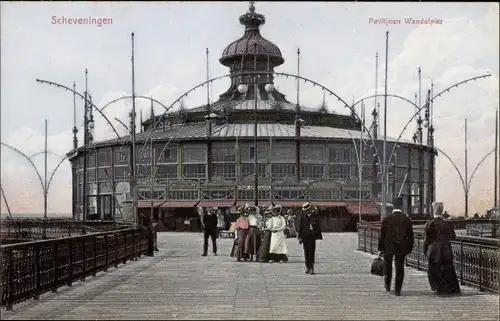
{"x":395,"y":243}
{"x":209,"y":231}
{"x":309,"y":232}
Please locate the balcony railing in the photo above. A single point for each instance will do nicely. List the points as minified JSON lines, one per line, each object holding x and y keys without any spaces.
{"x":476,"y":258}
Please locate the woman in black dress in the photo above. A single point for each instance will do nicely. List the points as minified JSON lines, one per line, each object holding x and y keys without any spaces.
{"x":266,"y":240}
{"x":441,"y":270}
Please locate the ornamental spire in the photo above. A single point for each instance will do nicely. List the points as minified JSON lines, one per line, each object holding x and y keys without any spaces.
{"x":252,"y":20}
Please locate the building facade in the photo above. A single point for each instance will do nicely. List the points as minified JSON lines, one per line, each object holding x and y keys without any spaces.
{"x":251,"y":145}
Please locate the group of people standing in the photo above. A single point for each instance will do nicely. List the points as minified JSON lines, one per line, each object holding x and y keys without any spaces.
{"x":396,"y":242}
{"x":260,"y":236}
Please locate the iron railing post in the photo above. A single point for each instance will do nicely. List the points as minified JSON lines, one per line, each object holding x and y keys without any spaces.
{"x":481,"y":288}
{"x":55,"y":267}
{"x":462,"y":262}
{"x":94,"y":245}
{"x":106,"y":259}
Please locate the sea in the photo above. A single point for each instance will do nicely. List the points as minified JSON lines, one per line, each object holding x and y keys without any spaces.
{"x":35,"y":215}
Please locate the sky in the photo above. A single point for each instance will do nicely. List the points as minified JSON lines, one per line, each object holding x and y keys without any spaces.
{"x":338,"y":43}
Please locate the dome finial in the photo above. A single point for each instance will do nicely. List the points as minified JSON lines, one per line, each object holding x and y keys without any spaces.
{"x":252,"y":20}
{"x":252,"y":6}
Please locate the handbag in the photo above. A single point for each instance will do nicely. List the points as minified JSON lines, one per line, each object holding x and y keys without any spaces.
{"x":378,"y":267}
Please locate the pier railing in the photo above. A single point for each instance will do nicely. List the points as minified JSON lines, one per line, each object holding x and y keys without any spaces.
{"x":39,"y":228}
{"x":30,"y":269}
{"x":476,"y":258}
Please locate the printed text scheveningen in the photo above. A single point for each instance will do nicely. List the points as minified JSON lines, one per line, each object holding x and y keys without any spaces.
{"x":62,"y":20}
{"x":407,"y":21}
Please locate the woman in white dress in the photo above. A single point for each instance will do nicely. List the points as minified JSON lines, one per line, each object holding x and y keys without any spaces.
{"x":278,"y":251}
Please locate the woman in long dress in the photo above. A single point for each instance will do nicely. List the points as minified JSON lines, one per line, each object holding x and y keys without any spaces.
{"x":441,"y":270}
{"x":253,"y":239}
{"x":266,"y":240}
{"x":239,"y":235}
{"x":278,"y":251}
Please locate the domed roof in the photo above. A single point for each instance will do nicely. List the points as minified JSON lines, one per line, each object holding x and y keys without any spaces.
{"x":252,"y":43}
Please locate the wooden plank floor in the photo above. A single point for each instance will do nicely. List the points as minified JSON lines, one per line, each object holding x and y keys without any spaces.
{"x":180,"y":284}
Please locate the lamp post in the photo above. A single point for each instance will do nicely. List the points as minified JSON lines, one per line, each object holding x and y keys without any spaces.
{"x":88,"y":125}
{"x":243,"y":89}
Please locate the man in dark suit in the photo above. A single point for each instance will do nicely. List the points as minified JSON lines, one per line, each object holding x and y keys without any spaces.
{"x":309,"y":231}
{"x":395,"y":242}
{"x":209,"y":231}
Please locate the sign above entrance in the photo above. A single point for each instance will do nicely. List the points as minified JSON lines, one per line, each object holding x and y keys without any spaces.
{"x":261,"y":187}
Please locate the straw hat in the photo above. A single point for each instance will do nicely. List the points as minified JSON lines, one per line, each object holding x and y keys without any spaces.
{"x":307,"y":206}
{"x":277,"y":209}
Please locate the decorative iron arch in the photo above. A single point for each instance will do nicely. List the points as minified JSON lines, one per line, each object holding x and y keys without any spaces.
{"x":29,"y":161}
{"x":54,"y":172}
{"x":477,"y":167}
{"x":465,"y":184}
{"x":50,"y":83}
{"x":128,"y":97}
{"x":48,"y":152}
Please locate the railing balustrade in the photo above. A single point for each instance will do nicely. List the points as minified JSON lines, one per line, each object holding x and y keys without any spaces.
{"x":476,"y":258}
{"x":30,"y":269}
{"x":32,"y":228}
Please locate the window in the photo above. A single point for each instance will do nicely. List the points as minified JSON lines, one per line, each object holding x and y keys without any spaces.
{"x":339,"y":154}
{"x":219,"y":194}
{"x":415,"y":175}
{"x":248,"y":152}
{"x":184,"y":195}
{"x":194,"y":153}
{"x":104,"y":157}
{"x":144,"y":154}
{"x":402,"y":156}
{"x":121,"y":156}
{"x":312,"y":171}
{"x":143,"y":171}
{"x":245,"y":194}
{"x":225,"y":170}
{"x":166,"y":171}
{"x":312,"y":153}
{"x":80,"y":176}
{"x":91,"y":175}
{"x":281,"y":171}
{"x":414,"y":157}
{"x":194,"y":171}
{"x":367,"y":173}
{"x":289,"y":194}
{"x":283,"y":152}
{"x":90,"y":159}
{"x":264,"y":194}
{"x":340,"y":171}
{"x":122,"y":173}
{"x":324,"y":194}
{"x":224,"y":153}
{"x":166,"y":154}
{"x":249,"y":169}
{"x":104,"y":174}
